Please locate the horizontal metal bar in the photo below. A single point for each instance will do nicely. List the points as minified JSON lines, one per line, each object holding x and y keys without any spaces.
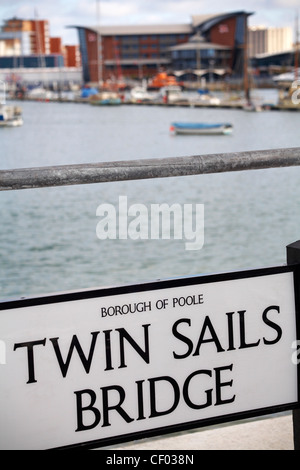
{"x":64,"y":175}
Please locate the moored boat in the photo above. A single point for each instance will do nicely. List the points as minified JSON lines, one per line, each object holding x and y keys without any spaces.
{"x":10,"y":116}
{"x":171,"y":94}
{"x":140,"y":94}
{"x":162,"y":79}
{"x":40,"y":94}
{"x":201,"y":128}
{"x":289,"y":97}
{"x":105,"y":98}
{"x":206,"y":98}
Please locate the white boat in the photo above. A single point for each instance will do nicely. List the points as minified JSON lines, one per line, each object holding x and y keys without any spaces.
{"x":201,"y":128}
{"x":171,"y":94}
{"x":140,"y":94}
{"x":40,"y":93}
{"x":252,"y":107}
{"x":206,"y":98}
{"x":10,"y":116}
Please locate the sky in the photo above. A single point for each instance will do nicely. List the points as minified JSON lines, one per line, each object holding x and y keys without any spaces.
{"x":63,"y":13}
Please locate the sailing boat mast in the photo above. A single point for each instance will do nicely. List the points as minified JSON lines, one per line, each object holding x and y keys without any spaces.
{"x":99,"y":47}
{"x":296,"y":46}
{"x":246,"y":78}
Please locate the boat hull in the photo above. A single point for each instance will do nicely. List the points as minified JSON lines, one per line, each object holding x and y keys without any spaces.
{"x":17,"y":123}
{"x":105,"y":98}
{"x":201,"y":129}
{"x":111,"y":102}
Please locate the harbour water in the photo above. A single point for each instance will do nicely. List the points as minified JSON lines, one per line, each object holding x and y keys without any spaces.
{"x":48,"y":236}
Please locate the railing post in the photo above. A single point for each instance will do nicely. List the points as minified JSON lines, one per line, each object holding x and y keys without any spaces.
{"x":293,"y":257}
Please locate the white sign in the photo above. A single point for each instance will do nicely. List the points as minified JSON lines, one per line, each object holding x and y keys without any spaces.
{"x":116,"y":364}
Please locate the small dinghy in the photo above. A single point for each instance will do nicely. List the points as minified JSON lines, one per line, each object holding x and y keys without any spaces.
{"x":201,"y":128}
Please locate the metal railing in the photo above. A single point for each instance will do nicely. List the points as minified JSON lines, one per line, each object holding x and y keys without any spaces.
{"x":63,"y":175}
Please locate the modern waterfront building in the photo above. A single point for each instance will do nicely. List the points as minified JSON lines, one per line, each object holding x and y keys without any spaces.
{"x":271,"y":64}
{"x":27,"y":44}
{"x":26,"y":36}
{"x":271,"y":50}
{"x":216,"y":42}
{"x":264,"y":40}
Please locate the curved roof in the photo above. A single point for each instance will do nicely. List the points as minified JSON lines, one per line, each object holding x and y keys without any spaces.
{"x":120,"y":30}
{"x":206,"y":22}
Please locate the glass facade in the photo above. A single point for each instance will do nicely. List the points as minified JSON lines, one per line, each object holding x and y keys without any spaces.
{"x":84,"y":54}
{"x":31,"y":61}
{"x":239,"y":30}
{"x":203,"y":58}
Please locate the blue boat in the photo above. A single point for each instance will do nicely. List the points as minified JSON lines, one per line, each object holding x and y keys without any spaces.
{"x":201,"y":128}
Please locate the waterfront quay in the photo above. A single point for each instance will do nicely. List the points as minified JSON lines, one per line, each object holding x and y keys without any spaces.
{"x":224,"y":104}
